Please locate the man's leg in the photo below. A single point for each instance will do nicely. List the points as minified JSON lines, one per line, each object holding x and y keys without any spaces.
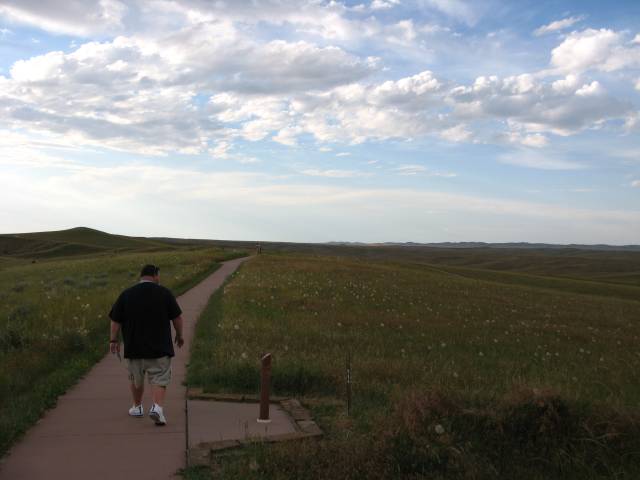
{"x":137,"y":392}
{"x":136,"y":386}
{"x":158,"y":393}
{"x":136,"y":379}
{"x":159,"y":377}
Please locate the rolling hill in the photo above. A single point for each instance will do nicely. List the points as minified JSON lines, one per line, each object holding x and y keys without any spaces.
{"x":74,"y":241}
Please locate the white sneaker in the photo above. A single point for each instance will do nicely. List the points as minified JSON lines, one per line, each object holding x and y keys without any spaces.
{"x":156,"y":415}
{"x":136,"y":411}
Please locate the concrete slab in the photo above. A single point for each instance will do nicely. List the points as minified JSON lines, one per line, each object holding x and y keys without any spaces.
{"x":89,"y":434}
{"x":218,"y":421}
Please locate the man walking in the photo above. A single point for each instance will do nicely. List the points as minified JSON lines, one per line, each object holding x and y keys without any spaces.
{"x":145,"y":312}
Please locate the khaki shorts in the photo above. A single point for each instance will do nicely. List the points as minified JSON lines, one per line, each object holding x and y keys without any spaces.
{"x":158,"y":370}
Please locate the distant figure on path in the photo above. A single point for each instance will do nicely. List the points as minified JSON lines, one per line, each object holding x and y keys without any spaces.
{"x":145,"y":312}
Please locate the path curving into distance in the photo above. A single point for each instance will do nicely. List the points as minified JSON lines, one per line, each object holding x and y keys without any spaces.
{"x":90,"y":436}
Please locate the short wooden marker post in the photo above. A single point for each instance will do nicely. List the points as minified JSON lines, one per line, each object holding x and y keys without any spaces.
{"x":265,"y":384}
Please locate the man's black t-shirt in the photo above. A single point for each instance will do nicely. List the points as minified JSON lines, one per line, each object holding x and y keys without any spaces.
{"x":145,"y":312}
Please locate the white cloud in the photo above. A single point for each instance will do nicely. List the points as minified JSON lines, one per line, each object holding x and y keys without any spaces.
{"x":403,"y":33}
{"x":638,"y":84}
{"x":331,"y":21}
{"x":221,"y":150}
{"x":535,"y":140}
{"x":355,"y":113}
{"x":635,"y":183}
{"x":131,"y":94}
{"x":411,"y":169}
{"x":414,"y":169}
{"x":312,"y":172}
{"x":203,"y":82}
{"x":632,"y":121}
{"x":459,"y":133}
{"x":81,"y":18}
{"x":557,"y":25}
{"x":602,"y":49}
{"x":352,"y":113}
{"x":444,"y":174}
{"x":384,"y":4}
{"x":566,"y":85}
{"x":539,"y":161}
{"x":38,"y":69}
{"x":287,"y":136}
{"x":594,"y":88}
{"x":136,"y":93}
{"x":214,"y":56}
{"x":583,"y":50}
{"x":582,"y":190}
{"x":328,"y":20}
{"x":537,"y":106}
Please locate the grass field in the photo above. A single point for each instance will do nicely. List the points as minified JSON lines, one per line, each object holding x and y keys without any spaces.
{"x":459,"y":371}
{"x":54,"y":321}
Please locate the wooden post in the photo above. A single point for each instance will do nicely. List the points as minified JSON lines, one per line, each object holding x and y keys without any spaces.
{"x":265,"y":381}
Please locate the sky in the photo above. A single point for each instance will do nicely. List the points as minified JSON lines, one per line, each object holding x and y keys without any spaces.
{"x":315,"y":121}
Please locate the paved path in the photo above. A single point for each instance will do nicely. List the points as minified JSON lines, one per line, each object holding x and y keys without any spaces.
{"x":89,"y":435}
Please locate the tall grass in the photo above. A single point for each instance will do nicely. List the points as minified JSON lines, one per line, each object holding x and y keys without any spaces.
{"x":54,"y":322}
{"x":472,"y":344}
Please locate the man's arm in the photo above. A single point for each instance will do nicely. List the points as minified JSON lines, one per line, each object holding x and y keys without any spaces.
{"x":114,"y":343}
{"x":177,"y":325}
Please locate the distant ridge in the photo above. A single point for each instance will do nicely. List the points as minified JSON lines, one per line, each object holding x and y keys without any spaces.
{"x":87,"y":241}
{"x":440,"y":245}
{"x":511,"y":245}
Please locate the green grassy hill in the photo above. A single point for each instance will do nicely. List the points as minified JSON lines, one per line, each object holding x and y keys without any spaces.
{"x":71,"y":242}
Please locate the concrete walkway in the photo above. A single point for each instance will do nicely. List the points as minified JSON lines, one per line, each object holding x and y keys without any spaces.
{"x":89,"y":434}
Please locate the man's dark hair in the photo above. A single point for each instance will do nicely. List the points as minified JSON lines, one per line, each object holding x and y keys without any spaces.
{"x":149,"y":270}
